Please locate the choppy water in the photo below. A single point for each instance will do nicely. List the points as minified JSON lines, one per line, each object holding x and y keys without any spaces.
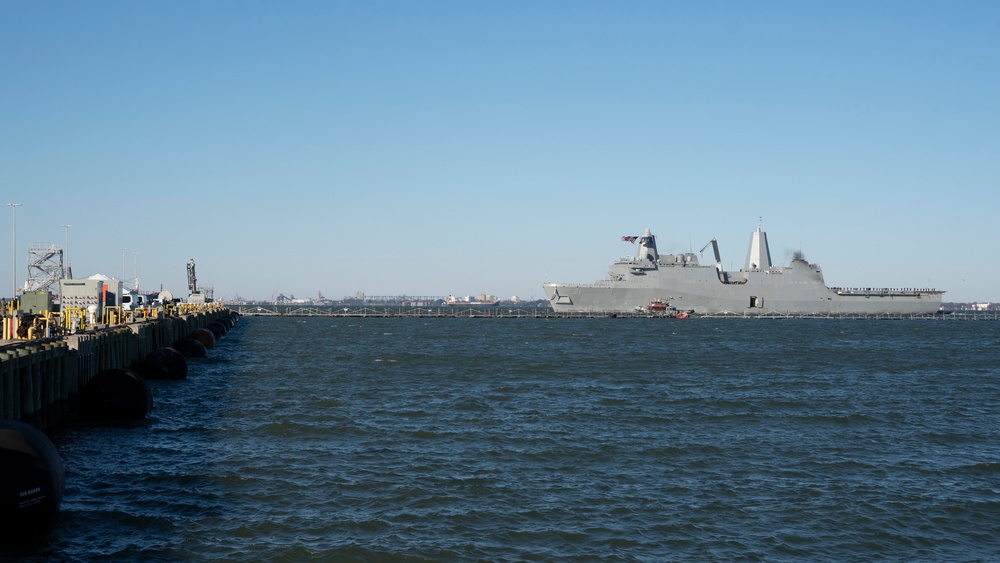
{"x":553,"y":439}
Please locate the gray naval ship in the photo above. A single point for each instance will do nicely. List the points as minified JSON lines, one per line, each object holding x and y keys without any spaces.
{"x":648,"y":279}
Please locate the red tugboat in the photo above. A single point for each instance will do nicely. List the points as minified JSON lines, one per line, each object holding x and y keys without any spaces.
{"x":658,"y":306}
{"x":661,"y":308}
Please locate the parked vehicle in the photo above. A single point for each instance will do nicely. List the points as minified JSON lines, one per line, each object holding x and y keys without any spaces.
{"x":133,"y":301}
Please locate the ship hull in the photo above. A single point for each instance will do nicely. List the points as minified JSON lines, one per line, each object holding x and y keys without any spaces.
{"x":797,"y":289}
{"x":759,"y":288}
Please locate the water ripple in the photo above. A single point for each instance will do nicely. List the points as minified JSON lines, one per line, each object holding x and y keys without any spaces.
{"x":567,"y":440}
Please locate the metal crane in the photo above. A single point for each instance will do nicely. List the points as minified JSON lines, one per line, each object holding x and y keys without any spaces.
{"x":718,"y":258}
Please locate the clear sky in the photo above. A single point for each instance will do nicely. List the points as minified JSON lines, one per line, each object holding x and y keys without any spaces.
{"x":429,"y":148}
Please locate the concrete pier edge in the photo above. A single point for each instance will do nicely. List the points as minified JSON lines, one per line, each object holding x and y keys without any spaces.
{"x":40,"y":380}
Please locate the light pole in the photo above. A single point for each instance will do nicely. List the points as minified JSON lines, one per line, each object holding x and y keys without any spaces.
{"x":123,"y":264}
{"x":66,"y":269}
{"x":135,"y":272}
{"x":13,"y":249}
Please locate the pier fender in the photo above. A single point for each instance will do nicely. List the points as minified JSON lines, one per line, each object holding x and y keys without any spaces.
{"x":190,"y":348}
{"x":164,"y":363}
{"x":32,"y":480}
{"x":115,"y":394}
{"x":217,"y":330}
{"x":204,"y":336}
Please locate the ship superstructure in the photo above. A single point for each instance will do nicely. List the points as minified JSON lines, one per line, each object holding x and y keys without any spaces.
{"x":759,"y":288}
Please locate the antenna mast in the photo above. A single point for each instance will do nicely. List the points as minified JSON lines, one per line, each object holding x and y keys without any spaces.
{"x":192,"y":281}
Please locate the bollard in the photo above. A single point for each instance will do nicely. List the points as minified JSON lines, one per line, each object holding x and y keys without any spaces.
{"x":7,"y":362}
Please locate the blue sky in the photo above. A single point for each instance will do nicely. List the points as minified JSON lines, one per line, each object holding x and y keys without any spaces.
{"x":428,"y":148}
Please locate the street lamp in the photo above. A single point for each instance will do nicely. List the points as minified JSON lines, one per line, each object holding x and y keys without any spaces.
{"x":123,"y":264}
{"x":13,"y":249}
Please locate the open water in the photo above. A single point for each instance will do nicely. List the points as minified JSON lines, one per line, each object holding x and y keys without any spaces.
{"x":367,"y":439}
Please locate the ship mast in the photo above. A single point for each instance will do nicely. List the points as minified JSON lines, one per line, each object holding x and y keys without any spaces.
{"x":647,"y":247}
{"x":758,"y":255}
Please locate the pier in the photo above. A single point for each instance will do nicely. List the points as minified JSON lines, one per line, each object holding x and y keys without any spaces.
{"x":42,"y":378}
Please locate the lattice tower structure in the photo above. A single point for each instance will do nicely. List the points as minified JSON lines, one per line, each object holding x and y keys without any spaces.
{"x":45,"y":267}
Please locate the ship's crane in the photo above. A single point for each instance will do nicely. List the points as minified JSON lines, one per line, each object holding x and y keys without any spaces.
{"x":718,"y":257}
{"x":723,"y":275}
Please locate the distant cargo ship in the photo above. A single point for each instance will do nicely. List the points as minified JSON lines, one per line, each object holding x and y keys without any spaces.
{"x":468,"y":302}
{"x":759,"y":288}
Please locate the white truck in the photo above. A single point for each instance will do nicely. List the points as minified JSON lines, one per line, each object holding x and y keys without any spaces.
{"x":133,"y":301}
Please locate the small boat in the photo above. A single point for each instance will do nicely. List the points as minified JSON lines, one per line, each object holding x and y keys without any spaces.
{"x":659,"y":308}
{"x":657,"y":305}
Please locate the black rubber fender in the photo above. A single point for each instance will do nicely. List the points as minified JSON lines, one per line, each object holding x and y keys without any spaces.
{"x":32,"y":481}
{"x":164,"y":363}
{"x":217,"y":330}
{"x":205,"y":336}
{"x":190,"y":348}
{"x":115,"y":394}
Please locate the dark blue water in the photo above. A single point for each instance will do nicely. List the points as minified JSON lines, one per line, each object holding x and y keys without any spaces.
{"x":554,"y":439}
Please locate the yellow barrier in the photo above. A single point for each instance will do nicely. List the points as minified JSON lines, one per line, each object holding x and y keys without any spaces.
{"x":75,"y":319}
{"x":72,"y":320}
